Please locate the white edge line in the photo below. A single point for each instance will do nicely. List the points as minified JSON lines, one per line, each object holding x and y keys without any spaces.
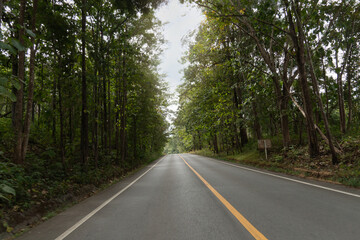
{"x":289,"y":179}
{"x":84,"y":219}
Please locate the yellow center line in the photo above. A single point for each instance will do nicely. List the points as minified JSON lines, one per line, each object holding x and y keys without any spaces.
{"x":252,"y":230}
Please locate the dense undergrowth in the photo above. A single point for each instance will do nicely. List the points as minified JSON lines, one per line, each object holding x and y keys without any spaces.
{"x":296,"y":160}
{"x":42,"y":184}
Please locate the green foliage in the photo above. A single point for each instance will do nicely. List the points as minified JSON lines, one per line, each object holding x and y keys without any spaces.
{"x":278,"y":158}
{"x":126,"y":98}
{"x":13,"y":182}
{"x":242,"y":79}
{"x":6,"y":83}
{"x":6,"y":192}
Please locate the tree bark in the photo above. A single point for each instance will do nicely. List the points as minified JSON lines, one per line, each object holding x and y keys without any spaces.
{"x":284,"y":116}
{"x":15,"y":69}
{"x":135,"y":137}
{"x":340,"y":88}
{"x":299,"y":41}
{"x":109,"y":117}
{"x":257,"y":127}
{"x":61,"y":115}
{"x":84,"y":110}
{"x":326,"y":89}
{"x":350,"y":105}
{"x":340,"y":93}
{"x":321,"y":106}
{"x":30,"y":97}
{"x":95,"y":121}
{"x":105,"y":114}
{"x":117,"y":111}
{"x":53,"y":110}
{"x":316,"y":86}
{"x":18,"y":114}
{"x":123,"y":111}
{"x":70,"y":133}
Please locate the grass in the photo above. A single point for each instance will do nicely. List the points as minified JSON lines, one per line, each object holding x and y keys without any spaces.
{"x":296,"y":162}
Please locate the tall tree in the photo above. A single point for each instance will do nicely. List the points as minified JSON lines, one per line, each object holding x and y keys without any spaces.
{"x":30,"y":95}
{"x":84,"y":108}
{"x":18,"y":112}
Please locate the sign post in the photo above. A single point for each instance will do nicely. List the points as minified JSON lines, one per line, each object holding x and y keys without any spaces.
{"x":264,"y":144}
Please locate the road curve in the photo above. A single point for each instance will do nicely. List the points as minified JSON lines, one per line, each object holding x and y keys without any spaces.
{"x":191,"y":197}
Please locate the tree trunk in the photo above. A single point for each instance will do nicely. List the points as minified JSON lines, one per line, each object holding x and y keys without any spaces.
{"x":322,"y":110}
{"x":61,"y":114}
{"x":135,"y":137}
{"x":199,"y":139}
{"x":316,"y":86}
{"x":84,"y":110}
{"x":105,"y":124}
{"x":299,"y":41}
{"x":18,"y":114}
{"x":243,"y":136}
{"x":284,"y":117}
{"x":238,"y":101}
{"x":71,"y":134}
{"x":123,"y":112}
{"x":326,"y":89}
{"x":215,"y":144}
{"x":257,"y":128}
{"x":96,"y":93}
{"x":237,"y":140}
{"x":340,"y":93}
{"x":300,"y":132}
{"x":95,"y":137}
{"x":33,"y":113}
{"x":30,"y":97}
{"x":350,"y":105}
{"x":53,"y":111}
{"x":117,"y":112}
{"x":15,"y":69}
{"x":269,"y":61}
{"x":38,"y":113}
{"x":109,"y":118}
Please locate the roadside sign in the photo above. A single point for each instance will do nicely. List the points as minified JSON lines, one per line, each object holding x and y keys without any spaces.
{"x":264,"y":144}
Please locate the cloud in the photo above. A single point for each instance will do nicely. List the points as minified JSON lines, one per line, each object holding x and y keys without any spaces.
{"x":180,"y":19}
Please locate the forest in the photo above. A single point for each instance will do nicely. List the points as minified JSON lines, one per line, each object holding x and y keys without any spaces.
{"x":284,"y":70}
{"x":81,"y":100}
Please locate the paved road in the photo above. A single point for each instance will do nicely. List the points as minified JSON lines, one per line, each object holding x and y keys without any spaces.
{"x":191,"y":197}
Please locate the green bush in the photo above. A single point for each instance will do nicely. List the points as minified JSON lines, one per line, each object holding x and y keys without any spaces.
{"x":14,"y":183}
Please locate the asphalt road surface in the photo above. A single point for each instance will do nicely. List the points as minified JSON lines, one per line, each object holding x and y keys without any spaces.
{"x":191,"y":197}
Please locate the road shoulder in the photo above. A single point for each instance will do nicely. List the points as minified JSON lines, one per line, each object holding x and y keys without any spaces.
{"x":58,"y":224}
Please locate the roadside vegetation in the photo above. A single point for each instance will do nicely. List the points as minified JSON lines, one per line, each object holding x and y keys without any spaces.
{"x":295,"y":161}
{"x":284,"y":70}
{"x":81,"y":101}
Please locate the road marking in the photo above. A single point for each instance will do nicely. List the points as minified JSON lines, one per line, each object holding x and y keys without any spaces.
{"x":84,"y":219}
{"x":289,"y":179}
{"x":252,"y":230}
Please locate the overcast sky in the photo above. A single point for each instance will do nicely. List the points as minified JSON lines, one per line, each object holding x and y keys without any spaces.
{"x":181,"y":19}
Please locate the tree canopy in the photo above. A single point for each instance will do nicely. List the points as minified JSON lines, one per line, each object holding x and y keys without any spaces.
{"x":80,"y":92}
{"x":263,"y":68}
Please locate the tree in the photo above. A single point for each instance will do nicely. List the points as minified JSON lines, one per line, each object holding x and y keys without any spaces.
{"x":283,"y":41}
